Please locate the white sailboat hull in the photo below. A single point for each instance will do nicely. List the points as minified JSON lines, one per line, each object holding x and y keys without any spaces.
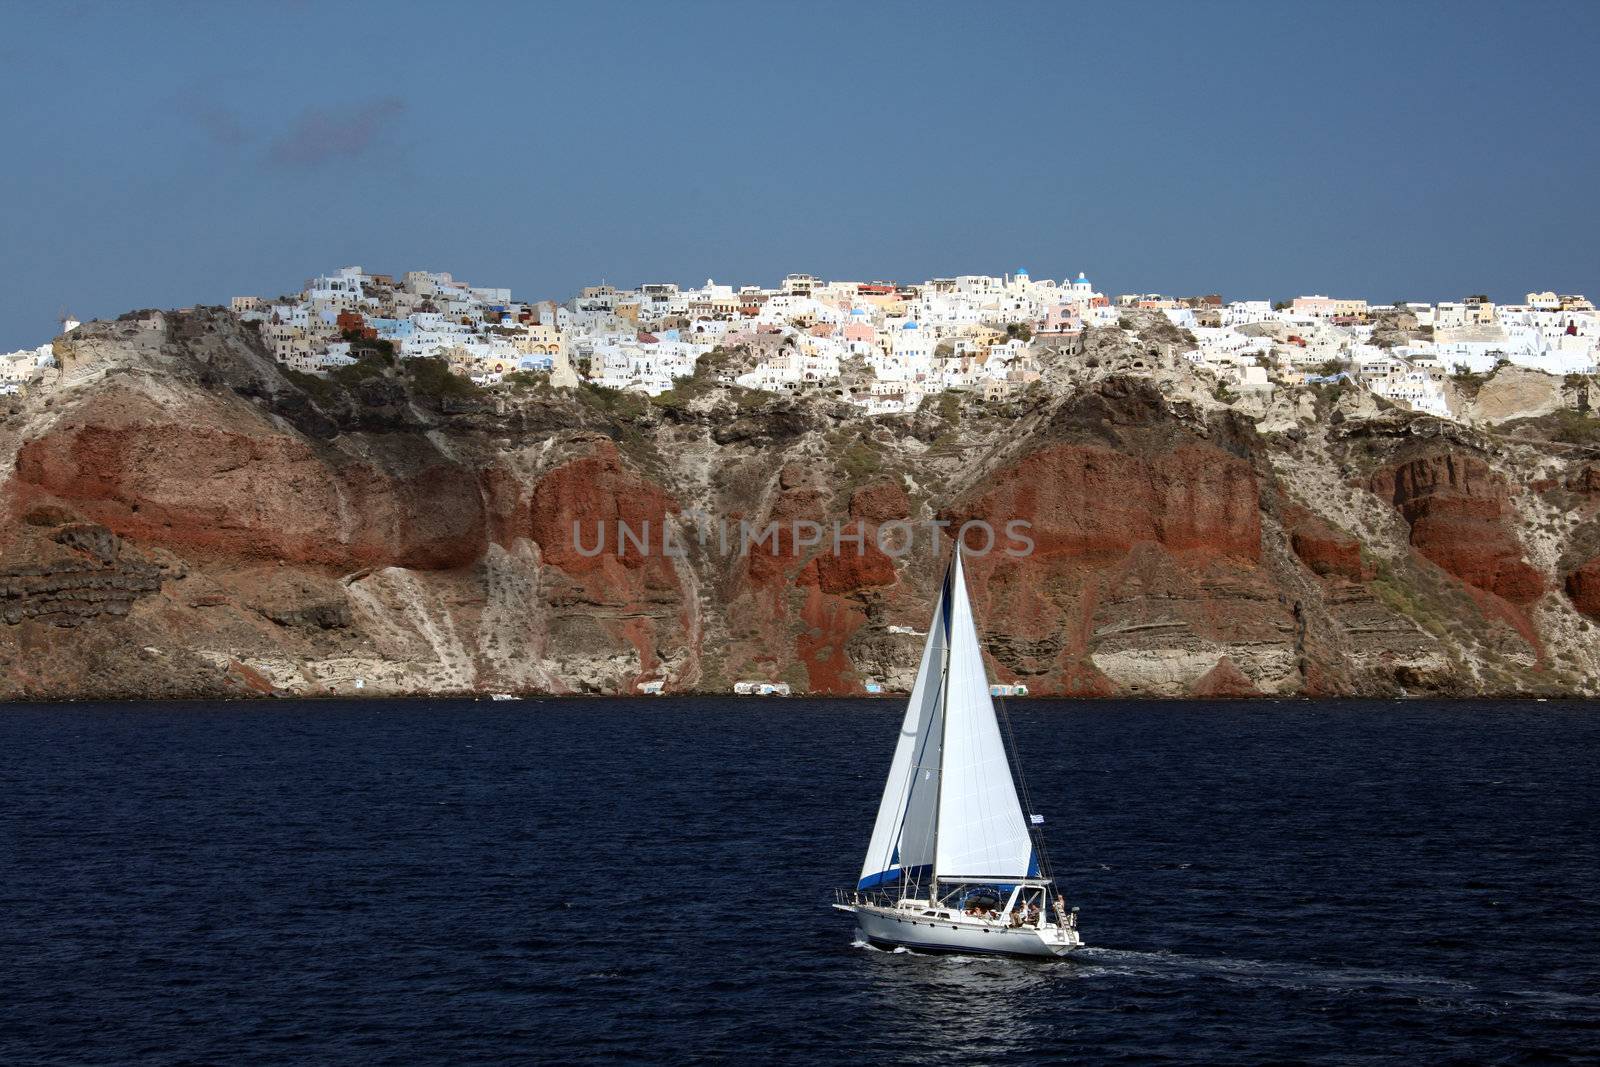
{"x":959,"y":933}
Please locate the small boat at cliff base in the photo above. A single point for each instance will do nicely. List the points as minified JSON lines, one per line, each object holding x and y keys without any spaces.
{"x":953,"y":864}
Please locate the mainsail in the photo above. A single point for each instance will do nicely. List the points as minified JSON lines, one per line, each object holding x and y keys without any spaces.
{"x":903,"y":836}
{"x":950,"y":804}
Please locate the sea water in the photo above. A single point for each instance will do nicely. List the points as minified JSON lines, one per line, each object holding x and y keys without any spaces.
{"x":647,"y":881}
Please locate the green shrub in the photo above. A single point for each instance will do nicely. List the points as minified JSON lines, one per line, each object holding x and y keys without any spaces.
{"x":524,"y":381}
{"x":430,"y":376}
{"x":1575,"y":428}
{"x":619,"y":403}
{"x":315,"y":386}
{"x":860,"y":462}
{"x":950,"y":407}
{"x":371,"y":347}
{"x":1469,"y":382}
{"x":360,"y":371}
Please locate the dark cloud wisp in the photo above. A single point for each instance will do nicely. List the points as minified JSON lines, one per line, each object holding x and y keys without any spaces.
{"x":327,"y":135}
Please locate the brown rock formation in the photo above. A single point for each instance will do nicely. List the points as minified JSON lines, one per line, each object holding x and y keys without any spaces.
{"x":1586,"y":479}
{"x":1224,"y":680}
{"x":1092,"y":502}
{"x":1329,"y":552}
{"x":1456,"y":507}
{"x":219,"y":480}
{"x":1583,"y":586}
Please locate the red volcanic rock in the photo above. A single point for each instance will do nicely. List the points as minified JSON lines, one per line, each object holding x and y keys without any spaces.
{"x":1492,"y":563}
{"x":847,"y":572}
{"x":1087,"y":500}
{"x":1115,"y":534}
{"x":828,"y":622}
{"x":1583,"y":586}
{"x":579,"y":505}
{"x":1315,"y":681}
{"x":247,"y":677}
{"x":882,"y":501}
{"x":1586,"y":480}
{"x":252,"y":492}
{"x":1455,"y":505}
{"x":849,"y":566}
{"x":1224,"y":680}
{"x":774,"y":553}
{"x":588,"y":497}
{"x":827,"y":616}
{"x":1329,"y":552}
{"x":1084,"y":679}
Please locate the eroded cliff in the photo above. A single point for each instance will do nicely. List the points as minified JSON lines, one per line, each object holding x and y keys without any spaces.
{"x":181,"y":517}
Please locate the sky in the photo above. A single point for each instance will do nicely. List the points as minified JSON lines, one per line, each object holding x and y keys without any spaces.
{"x":159,"y":155}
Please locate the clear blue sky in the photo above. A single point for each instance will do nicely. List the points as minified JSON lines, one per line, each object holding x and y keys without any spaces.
{"x":165,"y":155}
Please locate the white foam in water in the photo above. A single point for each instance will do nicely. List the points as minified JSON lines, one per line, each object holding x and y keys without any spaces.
{"x":1157,"y":964}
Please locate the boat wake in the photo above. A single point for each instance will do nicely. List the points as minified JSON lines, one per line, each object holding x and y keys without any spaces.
{"x":1447,"y":995}
{"x":946,"y":957}
{"x":1094,"y":962}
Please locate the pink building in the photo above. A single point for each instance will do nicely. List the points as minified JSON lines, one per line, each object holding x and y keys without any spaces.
{"x":1318,"y":306}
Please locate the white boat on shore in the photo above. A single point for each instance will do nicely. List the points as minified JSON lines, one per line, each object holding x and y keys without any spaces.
{"x":953,"y":864}
{"x":761,"y":689}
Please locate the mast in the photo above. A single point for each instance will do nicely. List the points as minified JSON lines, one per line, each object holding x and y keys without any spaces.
{"x":944,"y":720}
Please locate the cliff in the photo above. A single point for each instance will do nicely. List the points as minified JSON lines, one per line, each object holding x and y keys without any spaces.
{"x":179,"y":516}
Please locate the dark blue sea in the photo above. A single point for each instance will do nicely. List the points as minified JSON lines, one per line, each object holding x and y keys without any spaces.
{"x":647,"y":880}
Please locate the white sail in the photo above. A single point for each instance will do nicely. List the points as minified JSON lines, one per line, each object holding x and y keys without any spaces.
{"x":983,"y":834}
{"x":902,"y":836}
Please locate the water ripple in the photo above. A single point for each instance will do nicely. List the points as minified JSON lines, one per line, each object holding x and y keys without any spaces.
{"x":646,"y":882}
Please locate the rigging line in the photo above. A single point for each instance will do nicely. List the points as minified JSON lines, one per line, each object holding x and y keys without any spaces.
{"x":1015,"y":759}
{"x":1022,"y":783}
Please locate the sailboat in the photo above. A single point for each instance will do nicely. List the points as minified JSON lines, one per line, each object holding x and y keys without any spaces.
{"x":953,"y":865}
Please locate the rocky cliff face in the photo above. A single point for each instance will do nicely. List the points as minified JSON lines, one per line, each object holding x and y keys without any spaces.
{"x":180,"y":517}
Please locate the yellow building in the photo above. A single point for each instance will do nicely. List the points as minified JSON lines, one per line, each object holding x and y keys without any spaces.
{"x":542,"y":339}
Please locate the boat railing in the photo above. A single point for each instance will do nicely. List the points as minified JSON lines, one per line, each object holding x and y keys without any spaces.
{"x":875,"y":897}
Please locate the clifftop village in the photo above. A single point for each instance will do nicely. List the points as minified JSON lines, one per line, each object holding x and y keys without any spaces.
{"x":886,"y":346}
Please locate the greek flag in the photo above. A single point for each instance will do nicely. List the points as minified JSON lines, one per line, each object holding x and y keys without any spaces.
{"x":1037,"y":820}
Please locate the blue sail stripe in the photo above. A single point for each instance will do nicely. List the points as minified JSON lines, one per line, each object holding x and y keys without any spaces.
{"x":894,"y":874}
